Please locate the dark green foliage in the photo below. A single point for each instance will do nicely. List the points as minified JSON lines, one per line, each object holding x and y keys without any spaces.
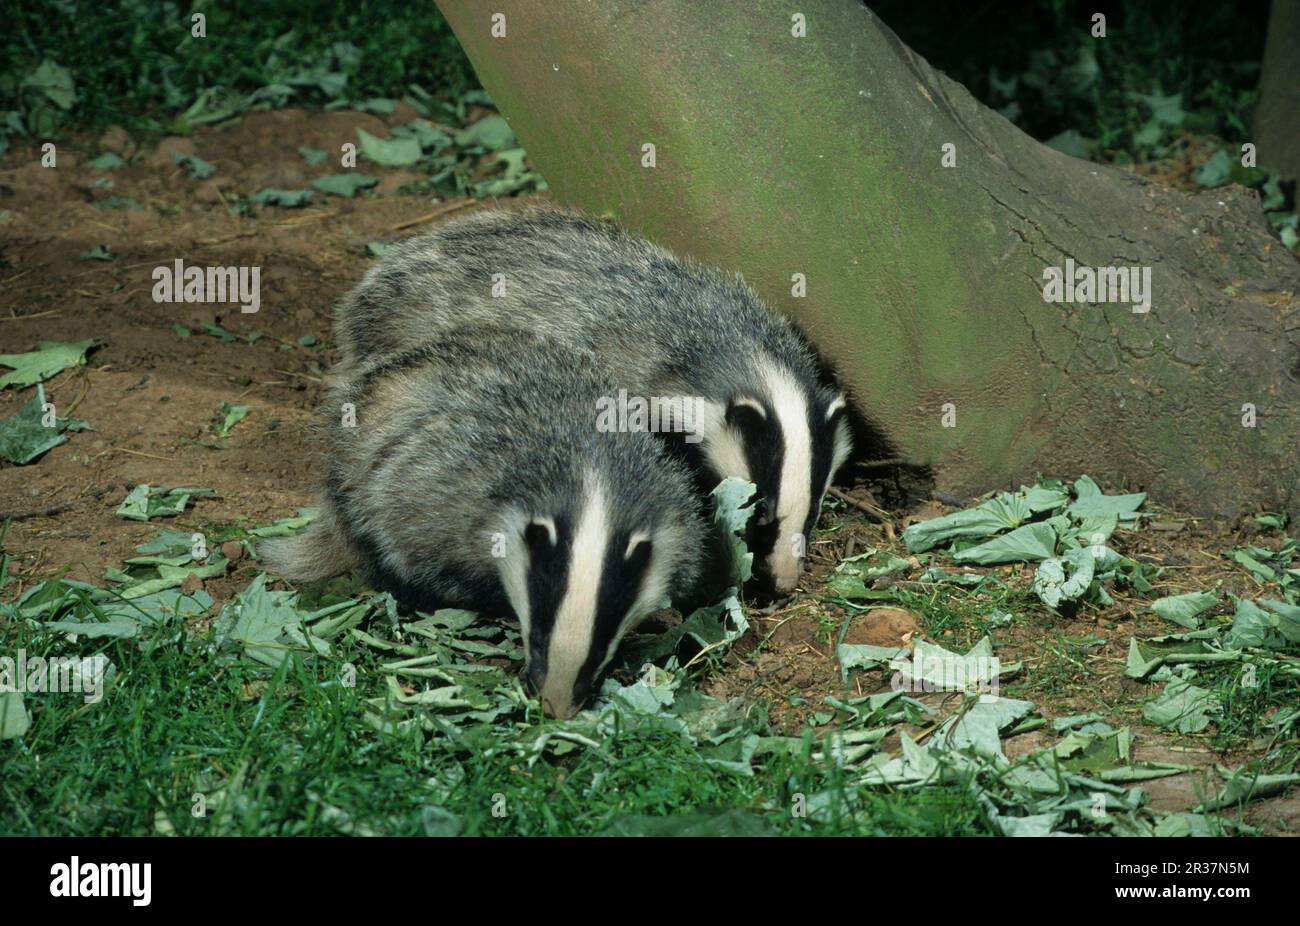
{"x":135,"y":62}
{"x":1040,"y":66}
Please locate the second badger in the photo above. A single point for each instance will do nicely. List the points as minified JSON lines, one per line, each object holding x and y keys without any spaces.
{"x":474,"y":477}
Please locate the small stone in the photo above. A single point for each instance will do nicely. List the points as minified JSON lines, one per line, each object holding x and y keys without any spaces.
{"x":191,"y":584}
{"x":883,"y":627}
{"x":232,"y":550}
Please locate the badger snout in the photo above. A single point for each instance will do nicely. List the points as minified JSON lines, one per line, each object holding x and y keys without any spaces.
{"x":560,"y":700}
{"x":783,"y":570}
{"x":562,"y":710}
{"x":785,"y":581}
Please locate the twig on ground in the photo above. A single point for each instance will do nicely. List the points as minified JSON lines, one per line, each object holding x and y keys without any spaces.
{"x":437,"y":213}
{"x":35,"y":512}
{"x":875,"y":512}
{"x":139,"y":453}
{"x":23,"y":318}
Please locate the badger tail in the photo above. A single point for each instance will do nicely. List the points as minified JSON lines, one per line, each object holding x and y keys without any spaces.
{"x":319,"y":552}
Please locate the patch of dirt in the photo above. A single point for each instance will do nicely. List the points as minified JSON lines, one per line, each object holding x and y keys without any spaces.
{"x":150,"y":395}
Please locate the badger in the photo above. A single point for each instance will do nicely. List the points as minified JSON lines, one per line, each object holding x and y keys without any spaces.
{"x":664,"y":326}
{"x":474,"y":476}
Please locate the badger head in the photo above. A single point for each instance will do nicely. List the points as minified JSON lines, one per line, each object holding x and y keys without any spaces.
{"x":579,"y":579}
{"x":788,"y":439}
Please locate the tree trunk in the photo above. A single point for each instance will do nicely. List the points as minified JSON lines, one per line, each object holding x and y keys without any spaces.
{"x":1277,"y":117}
{"x":778,"y":155}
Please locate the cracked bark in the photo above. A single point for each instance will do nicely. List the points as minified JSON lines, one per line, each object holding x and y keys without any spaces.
{"x":821,"y":155}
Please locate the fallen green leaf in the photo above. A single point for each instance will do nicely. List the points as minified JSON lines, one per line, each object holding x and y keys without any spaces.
{"x":52,"y":357}
{"x":390,"y":152}
{"x":345,"y":185}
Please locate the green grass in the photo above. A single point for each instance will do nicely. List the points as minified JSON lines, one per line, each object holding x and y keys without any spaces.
{"x":1250,"y":704}
{"x":1057,"y":670}
{"x":291,"y":755}
{"x":964,"y":615}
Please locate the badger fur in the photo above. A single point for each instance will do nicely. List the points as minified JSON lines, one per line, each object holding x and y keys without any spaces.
{"x":475,"y":477}
{"x":663,"y":326}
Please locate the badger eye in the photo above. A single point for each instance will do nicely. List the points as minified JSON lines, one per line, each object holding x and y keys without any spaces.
{"x":539,"y":534}
{"x":766,"y":515}
{"x":748,"y":416}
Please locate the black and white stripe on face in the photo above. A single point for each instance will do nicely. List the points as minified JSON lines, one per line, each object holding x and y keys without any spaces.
{"x":791,"y":442}
{"x":583,"y":584}
{"x":832,"y":444}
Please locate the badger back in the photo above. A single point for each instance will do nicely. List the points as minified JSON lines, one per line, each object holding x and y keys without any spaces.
{"x":670,"y":328}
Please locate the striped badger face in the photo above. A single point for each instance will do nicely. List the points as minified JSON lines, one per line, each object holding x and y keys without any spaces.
{"x":789,"y":440}
{"x":578,"y":581}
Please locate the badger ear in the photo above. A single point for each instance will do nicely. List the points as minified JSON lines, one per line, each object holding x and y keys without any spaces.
{"x":745,"y":412}
{"x":638,"y":544}
{"x":835,"y":407}
{"x":637,"y":555}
